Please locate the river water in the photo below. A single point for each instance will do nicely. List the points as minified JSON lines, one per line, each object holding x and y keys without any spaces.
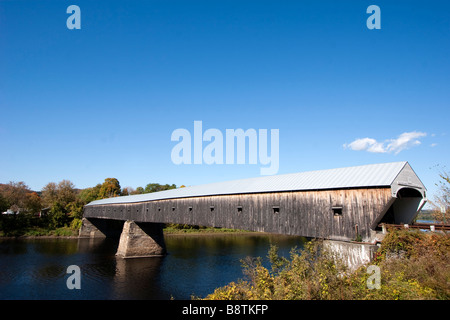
{"x":195,"y":265}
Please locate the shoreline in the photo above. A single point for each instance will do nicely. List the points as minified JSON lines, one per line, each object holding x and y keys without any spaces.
{"x":168,"y":233}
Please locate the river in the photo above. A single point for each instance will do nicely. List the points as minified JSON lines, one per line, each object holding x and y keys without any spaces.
{"x":195,"y":265}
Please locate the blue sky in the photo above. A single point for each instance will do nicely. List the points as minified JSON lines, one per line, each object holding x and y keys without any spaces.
{"x":104,"y":100}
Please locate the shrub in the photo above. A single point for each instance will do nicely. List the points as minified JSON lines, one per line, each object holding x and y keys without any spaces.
{"x":413,"y":264}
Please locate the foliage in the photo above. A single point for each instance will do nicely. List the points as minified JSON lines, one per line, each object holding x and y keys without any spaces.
{"x":63,"y":193}
{"x":155,"y":187}
{"x":90,"y":194}
{"x":62,"y":203}
{"x":76,"y":224}
{"x":186,"y":228}
{"x":4,"y":204}
{"x":57,"y":215}
{"x":75,"y":209}
{"x":110,"y":188}
{"x":441,"y":201}
{"x":16,"y":196}
{"x":414,"y":265}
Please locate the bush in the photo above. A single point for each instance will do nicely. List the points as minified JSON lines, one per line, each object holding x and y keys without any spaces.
{"x":414,"y":265}
{"x":76,"y":224}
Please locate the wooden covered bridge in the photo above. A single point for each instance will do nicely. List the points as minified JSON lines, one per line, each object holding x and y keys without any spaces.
{"x":337,"y":204}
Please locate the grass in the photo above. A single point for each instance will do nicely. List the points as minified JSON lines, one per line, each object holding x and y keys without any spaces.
{"x":40,"y":232}
{"x":29,"y":226}
{"x":183,"y":229}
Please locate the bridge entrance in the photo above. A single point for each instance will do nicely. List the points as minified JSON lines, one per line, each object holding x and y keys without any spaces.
{"x":404,"y":208}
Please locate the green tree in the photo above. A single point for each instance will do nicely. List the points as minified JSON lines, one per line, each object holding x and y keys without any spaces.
{"x":75,"y":209}
{"x":4,"y":204}
{"x":155,"y":187}
{"x":57,"y":215}
{"x":90,"y":194}
{"x":139,"y":190}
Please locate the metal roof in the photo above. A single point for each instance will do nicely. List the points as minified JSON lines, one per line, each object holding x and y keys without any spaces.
{"x":352,"y":177}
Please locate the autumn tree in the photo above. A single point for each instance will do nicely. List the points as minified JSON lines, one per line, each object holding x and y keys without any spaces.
{"x":110,"y":188}
{"x":127,"y":191}
{"x":33,"y":202}
{"x":49,"y":194}
{"x":15,"y":196}
{"x":64,"y":193}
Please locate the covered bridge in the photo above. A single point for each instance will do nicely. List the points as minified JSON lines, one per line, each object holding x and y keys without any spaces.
{"x":336,"y":204}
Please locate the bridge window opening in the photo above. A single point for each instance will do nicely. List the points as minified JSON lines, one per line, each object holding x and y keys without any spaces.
{"x":173,"y":208}
{"x":276,"y":209}
{"x":190,"y":209}
{"x":337,"y":211}
{"x":211,"y":208}
{"x":239,"y":209}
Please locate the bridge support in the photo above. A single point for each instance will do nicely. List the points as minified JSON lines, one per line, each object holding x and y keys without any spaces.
{"x":140,"y":239}
{"x":353,"y":254}
{"x":100,"y":228}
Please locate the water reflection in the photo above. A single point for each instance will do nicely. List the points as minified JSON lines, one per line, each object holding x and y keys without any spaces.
{"x":195,"y":265}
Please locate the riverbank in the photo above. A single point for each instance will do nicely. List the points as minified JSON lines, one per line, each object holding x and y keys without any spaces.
{"x":412,"y":265}
{"x":70,"y":233}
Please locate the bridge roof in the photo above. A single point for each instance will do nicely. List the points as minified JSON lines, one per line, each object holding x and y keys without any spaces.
{"x":374,"y":175}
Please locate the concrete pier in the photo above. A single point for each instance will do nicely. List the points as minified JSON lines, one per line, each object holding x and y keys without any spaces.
{"x":100,"y":228}
{"x":353,"y":254}
{"x":141,"y":240}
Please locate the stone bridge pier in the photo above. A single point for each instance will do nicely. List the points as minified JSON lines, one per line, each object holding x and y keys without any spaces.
{"x":137,"y":239}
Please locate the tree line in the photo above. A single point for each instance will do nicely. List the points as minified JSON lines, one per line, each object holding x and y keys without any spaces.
{"x":57,"y":205}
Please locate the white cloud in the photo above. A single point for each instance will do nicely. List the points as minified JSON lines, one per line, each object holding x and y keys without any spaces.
{"x":404,"y":141}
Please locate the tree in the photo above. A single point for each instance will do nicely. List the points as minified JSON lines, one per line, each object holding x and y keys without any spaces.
{"x":90,"y":194}
{"x":128,"y":191}
{"x":4,"y":205}
{"x":441,"y":201}
{"x":75,"y":209}
{"x":155,"y":187}
{"x":110,"y":188}
{"x":33,"y":203}
{"x":49,"y":194}
{"x":15,"y":195}
{"x":64,"y":192}
{"x":139,"y":190}
{"x":57,"y":215}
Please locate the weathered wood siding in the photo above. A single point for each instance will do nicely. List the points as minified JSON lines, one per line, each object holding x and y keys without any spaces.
{"x":303,"y":213}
